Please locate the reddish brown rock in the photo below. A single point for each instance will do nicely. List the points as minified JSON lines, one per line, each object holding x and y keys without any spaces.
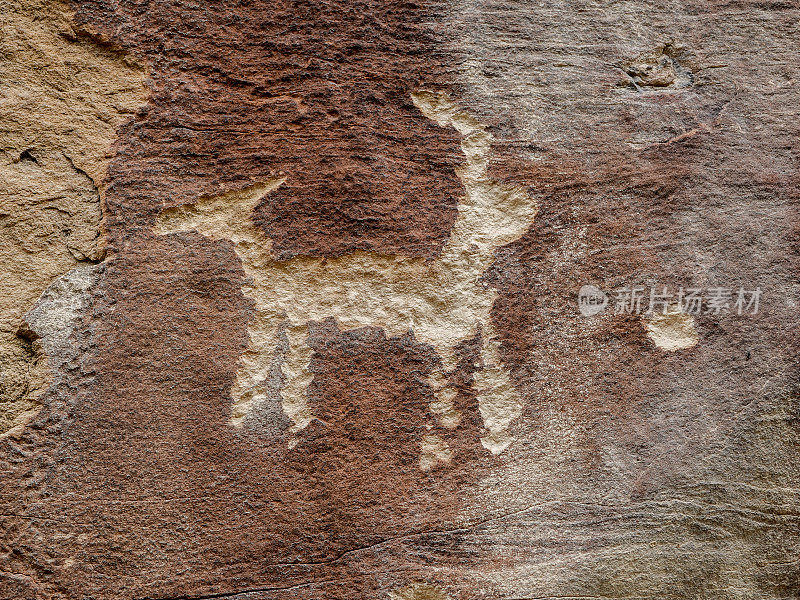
{"x":540,"y":453}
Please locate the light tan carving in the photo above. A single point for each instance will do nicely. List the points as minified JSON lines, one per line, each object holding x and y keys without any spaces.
{"x":443,"y":302}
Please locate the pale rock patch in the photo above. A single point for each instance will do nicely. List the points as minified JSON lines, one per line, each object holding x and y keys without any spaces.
{"x":673,"y":330}
{"x":434,"y":450}
{"x":418,"y":591}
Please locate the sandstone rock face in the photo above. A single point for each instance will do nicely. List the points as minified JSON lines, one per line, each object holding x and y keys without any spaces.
{"x":419,"y":301}
{"x":63,"y":97}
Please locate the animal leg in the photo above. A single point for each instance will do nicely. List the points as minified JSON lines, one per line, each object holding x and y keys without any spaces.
{"x":252,"y":376}
{"x":297,"y":378}
{"x":498,"y":400}
{"x":445,"y":393}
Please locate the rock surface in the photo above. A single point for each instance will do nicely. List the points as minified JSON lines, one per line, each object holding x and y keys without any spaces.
{"x":410,"y":300}
{"x":62,"y":98}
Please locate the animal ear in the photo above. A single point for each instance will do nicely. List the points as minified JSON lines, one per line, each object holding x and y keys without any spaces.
{"x":253,"y":195}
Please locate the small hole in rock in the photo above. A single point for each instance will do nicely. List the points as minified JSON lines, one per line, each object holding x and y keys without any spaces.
{"x":26,"y":155}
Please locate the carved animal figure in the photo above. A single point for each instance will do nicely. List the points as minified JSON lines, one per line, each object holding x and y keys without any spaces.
{"x":442,"y":301}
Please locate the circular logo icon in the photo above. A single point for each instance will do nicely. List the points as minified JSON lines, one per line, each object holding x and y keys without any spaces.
{"x":591,"y":300}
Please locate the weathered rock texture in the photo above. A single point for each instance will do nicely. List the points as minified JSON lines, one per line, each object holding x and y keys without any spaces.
{"x":333,"y":348}
{"x":62,"y":97}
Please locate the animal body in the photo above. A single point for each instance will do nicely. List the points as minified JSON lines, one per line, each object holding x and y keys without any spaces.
{"x":442,"y":301}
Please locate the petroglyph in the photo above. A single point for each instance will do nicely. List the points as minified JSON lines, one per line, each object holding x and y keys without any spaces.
{"x":56,"y":131}
{"x":443,"y":302}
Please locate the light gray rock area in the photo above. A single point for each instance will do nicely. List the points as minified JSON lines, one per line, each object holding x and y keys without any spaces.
{"x":59,"y":311}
